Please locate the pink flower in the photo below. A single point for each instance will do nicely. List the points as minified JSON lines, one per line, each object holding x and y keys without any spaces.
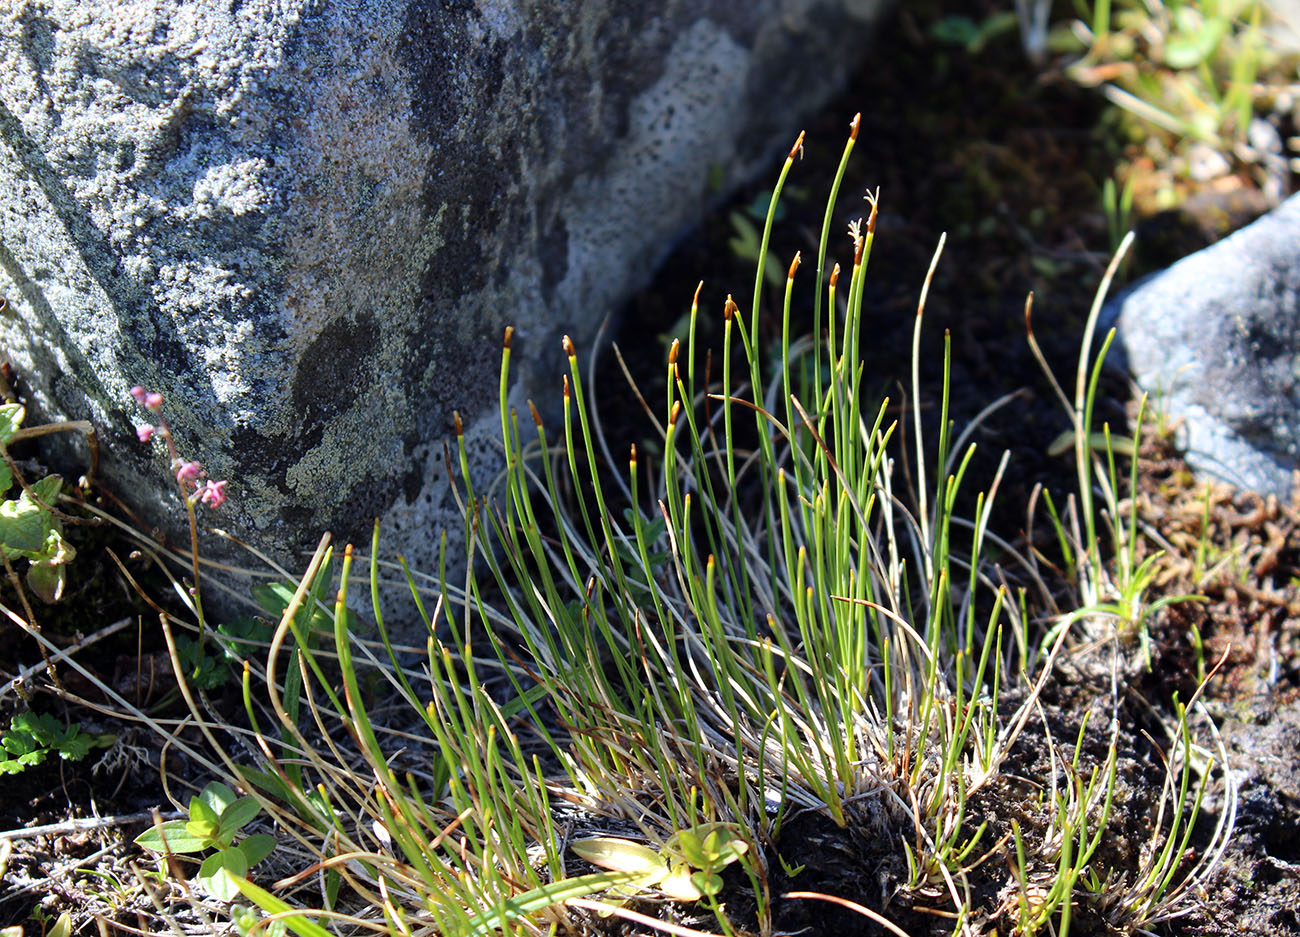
{"x":138,"y":393}
{"x":214,"y":493}
{"x":144,"y":432}
{"x":188,"y":472}
{"x":153,"y":401}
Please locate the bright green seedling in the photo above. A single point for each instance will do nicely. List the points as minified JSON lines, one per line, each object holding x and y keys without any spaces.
{"x":207,"y":666}
{"x":216,"y":816}
{"x":28,"y":528}
{"x":30,"y":738}
{"x":62,"y":926}
{"x":707,"y":849}
{"x":687,"y":868}
{"x":746,"y":244}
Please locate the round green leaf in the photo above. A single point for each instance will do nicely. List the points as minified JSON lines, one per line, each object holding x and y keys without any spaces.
{"x":177,"y":838}
{"x":257,"y":847}
{"x":237,"y":815}
{"x":214,"y":874}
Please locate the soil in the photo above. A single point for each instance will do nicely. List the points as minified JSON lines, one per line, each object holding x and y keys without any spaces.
{"x":1008,"y":160}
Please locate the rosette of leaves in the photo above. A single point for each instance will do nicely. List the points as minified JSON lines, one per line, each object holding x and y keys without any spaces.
{"x":685,"y":869}
{"x":217,"y":814}
{"x":28,"y":529}
{"x":30,"y":738}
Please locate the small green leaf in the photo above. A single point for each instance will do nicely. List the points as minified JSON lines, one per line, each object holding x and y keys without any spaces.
{"x":18,"y":741}
{"x":203,"y":670}
{"x":249,"y":922}
{"x":955,"y":30}
{"x":24,"y":525}
{"x":237,"y":815}
{"x":708,"y":883}
{"x":237,"y":637}
{"x":691,"y":846}
{"x":257,"y":847}
{"x":11,"y":420}
{"x":47,"y":581}
{"x":1188,"y":50}
{"x":332,"y":883}
{"x":214,"y":874}
{"x":274,"y":597}
{"x":757,"y":208}
{"x":56,"y":551}
{"x":47,"y":489}
{"x":218,"y":797}
{"x":62,"y":927}
{"x":234,"y":860}
{"x":1119,"y":445}
{"x":201,"y":811}
{"x":204,"y":830}
{"x":678,"y":884}
{"x":266,"y":781}
{"x":172,"y":836}
{"x":76,"y":747}
{"x":621,"y":855}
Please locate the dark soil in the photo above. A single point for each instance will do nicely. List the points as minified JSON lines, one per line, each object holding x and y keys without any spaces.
{"x":1008,"y":161}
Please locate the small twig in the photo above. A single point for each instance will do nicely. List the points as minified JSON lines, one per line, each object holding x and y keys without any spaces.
{"x":31,"y":616}
{"x":85,"y":427}
{"x":84,"y":823}
{"x":84,"y":643}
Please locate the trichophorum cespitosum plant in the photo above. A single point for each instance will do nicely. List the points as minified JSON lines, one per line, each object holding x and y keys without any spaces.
{"x":653,"y":664}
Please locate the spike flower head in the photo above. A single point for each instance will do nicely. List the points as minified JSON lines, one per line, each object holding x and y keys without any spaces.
{"x":190,"y":476}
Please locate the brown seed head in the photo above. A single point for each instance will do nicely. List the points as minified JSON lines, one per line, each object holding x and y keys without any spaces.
{"x":672,"y":351}
{"x":632,"y":458}
{"x":455,"y":419}
{"x":537,"y":417}
{"x":797,"y":149}
{"x":677,"y":411}
{"x":729,"y":308}
{"x":568,"y":347}
{"x":696,"y":301}
{"x":510,"y":333}
{"x":794,"y":266}
{"x":854,"y":125}
{"x":835,"y":275}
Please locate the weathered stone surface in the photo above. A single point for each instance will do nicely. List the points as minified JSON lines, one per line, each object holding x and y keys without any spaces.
{"x":1215,"y":339}
{"x":308,"y":221}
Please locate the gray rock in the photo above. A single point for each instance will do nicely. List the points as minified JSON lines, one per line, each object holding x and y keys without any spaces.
{"x":1215,"y":340}
{"x":308,"y":221}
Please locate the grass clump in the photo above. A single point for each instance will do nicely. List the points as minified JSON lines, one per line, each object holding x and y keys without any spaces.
{"x":664,"y":665}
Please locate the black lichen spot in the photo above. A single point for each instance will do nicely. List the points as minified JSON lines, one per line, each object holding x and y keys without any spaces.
{"x":332,"y":368}
{"x":368,"y":499}
{"x":553,"y":252}
{"x":460,"y":110}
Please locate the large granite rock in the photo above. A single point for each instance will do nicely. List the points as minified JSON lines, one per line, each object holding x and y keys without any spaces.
{"x":1215,"y":339}
{"x":308,"y":221}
